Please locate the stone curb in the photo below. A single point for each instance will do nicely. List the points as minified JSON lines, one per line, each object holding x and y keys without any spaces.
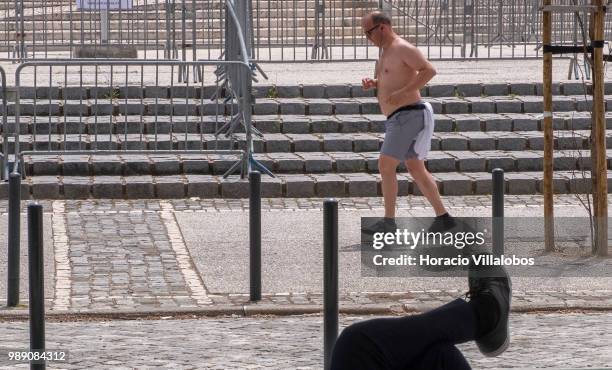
{"x":275,"y":310}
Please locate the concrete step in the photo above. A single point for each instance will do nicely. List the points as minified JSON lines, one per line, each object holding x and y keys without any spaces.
{"x":291,"y":143}
{"x":292,"y":186}
{"x":319,"y":91}
{"x":297,"y":163}
{"x":120,"y":126}
{"x":292,"y":106}
{"x":42,"y":126}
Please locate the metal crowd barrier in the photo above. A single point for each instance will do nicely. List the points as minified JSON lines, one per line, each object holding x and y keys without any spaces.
{"x":283,"y":30}
{"x":129,"y":107}
{"x":4,"y":154}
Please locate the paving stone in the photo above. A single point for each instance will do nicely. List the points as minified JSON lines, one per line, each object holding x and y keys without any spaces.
{"x":202,"y":186}
{"x":348,"y":162}
{"x":508,"y":106}
{"x":277,"y":143}
{"x":169,"y":187}
{"x":493,"y":89}
{"x":575,"y":88}
{"x":455,"y":105}
{"x":338,"y":91}
{"x":519,"y":183}
{"x":361,"y":185}
{"x":75,"y":165}
{"x":44,"y":165}
{"x":313,"y":91}
{"x":528,"y":161}
{"x":317,"y":163}
{"x":522,"y":88}
{"x":139,"y":187}
{"x":165,"y":164}
{"x":440,"y":162}
{"x":45,"y":187}
{"x":289,"y":91}
{"x":511,"y":143}
{"x":337,"y":143}
{"x":234,"y":187}
{"x":483,"y":183}
{"x":107,"y":187}
{"x":76,"y":187}
{"x":453,"y":143}
{"x":560,"y":184}
{"x":441,"y":90}
{"x":481,"y":105}
{"x":437,"y":105}
{"x":296,"y":127}
{"x":346,"y":106}
{"x":288,"y":163}
{"x":524,"y":123}
{"x":350,"y":124}
{"x":563,"y":104}
{"x":266,"y":106}
{"x":442,"y":123}
{"x":298,"y":186}
{"x":584,"y":105}
{"x":293,"y":106}
{"x":469,"y":162}
{"x":106,"y":165}
{"x":532,"y":104}
{"x":466,"y":123}
{"x":320,"y":107}
{"x":74,"y":93}
{"x":496,"y":122}
{"x":305,"y":143}
{"x":324,"y":125}
{"x":556,"y":88}
{"x":196,"y":164}
{"x":155,"y":92}
{"x":271,"y":187}
{"x":267,"y":126}
{"x":469,"y":89}
{"x":329,"y":185}
{"x":137,"y":165}
{"x":454,"y":183}
{"x":579,"y":185}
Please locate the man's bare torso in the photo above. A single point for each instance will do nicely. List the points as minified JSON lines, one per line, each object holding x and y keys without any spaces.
{"x":392,"y":75}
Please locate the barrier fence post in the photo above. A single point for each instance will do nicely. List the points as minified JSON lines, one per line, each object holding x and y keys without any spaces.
{"x":37,"y":285}
{"x":255,"y":234}
{"x":14,"y":230}
{"x":330,"y":278}
{"x":498,"y":211}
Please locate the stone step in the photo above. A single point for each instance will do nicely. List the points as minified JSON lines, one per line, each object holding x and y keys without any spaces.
{"x":297,"y":163}
{"x":291,"y":106}
{"x":285,"y":124}
{"x":476,"y":90}
{"x":291,"y":186}
{"x":288,"y":143}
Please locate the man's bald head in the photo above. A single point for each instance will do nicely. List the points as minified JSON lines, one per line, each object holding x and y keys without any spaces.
{"x":377,"y":17}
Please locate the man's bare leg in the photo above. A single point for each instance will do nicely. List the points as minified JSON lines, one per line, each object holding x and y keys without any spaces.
{"x":387,"y":167}
{"x":426,"y":183}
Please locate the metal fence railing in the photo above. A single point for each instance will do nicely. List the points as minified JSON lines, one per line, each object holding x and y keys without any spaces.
{"x":130,"y":107}
{"x":4,"y":154}
{"x":282,"y":30}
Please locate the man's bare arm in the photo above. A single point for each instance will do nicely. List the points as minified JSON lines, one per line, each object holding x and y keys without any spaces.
{"x":413,"y":58}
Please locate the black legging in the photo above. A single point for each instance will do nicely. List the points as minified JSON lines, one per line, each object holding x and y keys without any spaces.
{"x":426,"y":341}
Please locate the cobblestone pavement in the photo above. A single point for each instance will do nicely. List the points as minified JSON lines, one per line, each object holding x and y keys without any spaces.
{"x":537,"y":341}
{"x":132,"y":256}
{"x":108,"y":265}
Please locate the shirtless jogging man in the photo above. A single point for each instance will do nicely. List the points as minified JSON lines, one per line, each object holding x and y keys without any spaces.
{"x":401,"y":72}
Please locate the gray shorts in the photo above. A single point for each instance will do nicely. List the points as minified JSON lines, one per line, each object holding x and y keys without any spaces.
{"x":401,"y":130}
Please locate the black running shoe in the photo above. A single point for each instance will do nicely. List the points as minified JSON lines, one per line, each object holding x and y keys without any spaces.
{"x":384,"y":225}
{"x":442,"y":224}
{"x":495,"y":281}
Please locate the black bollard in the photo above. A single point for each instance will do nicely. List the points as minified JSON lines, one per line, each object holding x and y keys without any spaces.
{"x":330,"y":278}
{"x":37,"y":285}
{"x":498,"y":211}
{"x":14,"y":230}
{"x":255,"y":234}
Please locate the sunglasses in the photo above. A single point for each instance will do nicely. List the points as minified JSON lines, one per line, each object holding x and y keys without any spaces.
{"x":369,"y":32}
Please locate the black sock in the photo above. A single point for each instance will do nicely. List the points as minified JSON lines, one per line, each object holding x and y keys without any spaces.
{"x":486,"y":308}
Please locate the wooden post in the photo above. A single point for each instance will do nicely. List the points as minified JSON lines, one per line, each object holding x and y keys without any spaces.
{"x":600,"y":191}
{"x":549,"y":225}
